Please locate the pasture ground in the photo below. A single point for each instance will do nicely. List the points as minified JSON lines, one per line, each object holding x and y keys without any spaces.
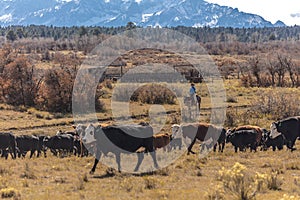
{"x":189,"y":177}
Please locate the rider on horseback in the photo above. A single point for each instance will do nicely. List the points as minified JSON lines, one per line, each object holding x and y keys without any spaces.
{"x":193,"y":93}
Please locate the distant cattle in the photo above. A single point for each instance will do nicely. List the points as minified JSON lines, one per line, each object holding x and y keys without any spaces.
{"x":120,"y":139}
{"x":73,"y":133}
{"x":289,"y":128}
{"x":60,"y":143}
{"x":79,"y":148}
{"x":162,"y":141}
{"x":241,"y":139}
{"x":27,"y":143}
{"x":8,"y":144}
{"x":207,"y":133}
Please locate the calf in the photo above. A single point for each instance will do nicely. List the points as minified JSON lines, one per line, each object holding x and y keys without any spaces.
{"x":27,"y":143}
{"x":176,"y":142}
{"x":289,"y":128}
{"x":242,"y":139}
{"x":277,"y":142}
{"x":8,"y":144}
{"x":206,"y":133}
{"x":161,"y":141}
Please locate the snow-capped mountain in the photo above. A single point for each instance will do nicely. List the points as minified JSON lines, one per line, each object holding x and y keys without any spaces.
{"x":196,"y":13}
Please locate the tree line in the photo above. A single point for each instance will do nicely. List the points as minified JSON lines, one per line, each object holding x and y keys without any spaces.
{"x":201,"y":34}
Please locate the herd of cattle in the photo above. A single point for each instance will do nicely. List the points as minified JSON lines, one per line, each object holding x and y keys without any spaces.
{"x":139,"y":139}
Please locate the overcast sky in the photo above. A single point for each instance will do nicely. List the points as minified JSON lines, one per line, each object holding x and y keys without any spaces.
{"x":287,"y":11}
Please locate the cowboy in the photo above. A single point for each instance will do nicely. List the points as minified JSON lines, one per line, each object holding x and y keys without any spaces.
{"x":193,"y":93}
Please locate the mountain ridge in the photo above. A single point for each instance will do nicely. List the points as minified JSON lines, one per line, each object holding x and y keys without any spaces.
{"x":169,"y":13}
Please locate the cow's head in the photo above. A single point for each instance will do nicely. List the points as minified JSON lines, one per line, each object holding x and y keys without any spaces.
{"x":80,"y":130}
{"x":274,"y":130}
{"x":88,"y":136}
{"x":176,"y":130}
{"x":229,"y":135}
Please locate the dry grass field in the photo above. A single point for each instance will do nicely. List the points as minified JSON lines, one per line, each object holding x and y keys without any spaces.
{"x":228,"y":175}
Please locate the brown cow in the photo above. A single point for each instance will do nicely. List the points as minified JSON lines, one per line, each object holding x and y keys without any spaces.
{"x":204,"y":132}
{"x":161,"y":141}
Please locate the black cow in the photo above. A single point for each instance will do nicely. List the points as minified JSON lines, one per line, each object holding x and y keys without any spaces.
{"x":41,"y":145}
{"x":27,"y":143}
{"x":277,"y":142}
{"x":59,"y":143}
{"x":8,"y":144}
{"x":120,"y":139}
{"x":242,"y":139}
{"x":289,"y":128}
{"x":221,"y":141}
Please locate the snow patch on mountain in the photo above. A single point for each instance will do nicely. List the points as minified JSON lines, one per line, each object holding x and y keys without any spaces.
{"x":6,"y":18}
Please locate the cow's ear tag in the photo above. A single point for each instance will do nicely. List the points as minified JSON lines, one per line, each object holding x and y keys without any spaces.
{"x":279,"y":124}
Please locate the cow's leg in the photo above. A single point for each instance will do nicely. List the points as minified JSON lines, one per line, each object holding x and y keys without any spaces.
{"x":290,"y":145}
{"x":12,"y":153}
{"x":140,"y":159}
{"x":235,"y":149}
{"x":81,"y":149}
{"x":153,"y":155}
{"x":215,"y":147}
{"x":222,"y":147}
{"x":31,"y":153}
{"x":118,"y":160}
{"x":38,"y":153}
{"x":45,"y":152}
{"x":274,"y":147}
{"x":13,"y":150}
{"x":191,"y":146}
{"x":98,"y":156}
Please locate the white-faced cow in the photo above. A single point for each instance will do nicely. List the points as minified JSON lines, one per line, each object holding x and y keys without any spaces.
{"x":289,"y":128}
{"x":120,"y":139}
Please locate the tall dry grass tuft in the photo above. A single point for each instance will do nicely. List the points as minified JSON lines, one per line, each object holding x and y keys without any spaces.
{"x":28,"y":173}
